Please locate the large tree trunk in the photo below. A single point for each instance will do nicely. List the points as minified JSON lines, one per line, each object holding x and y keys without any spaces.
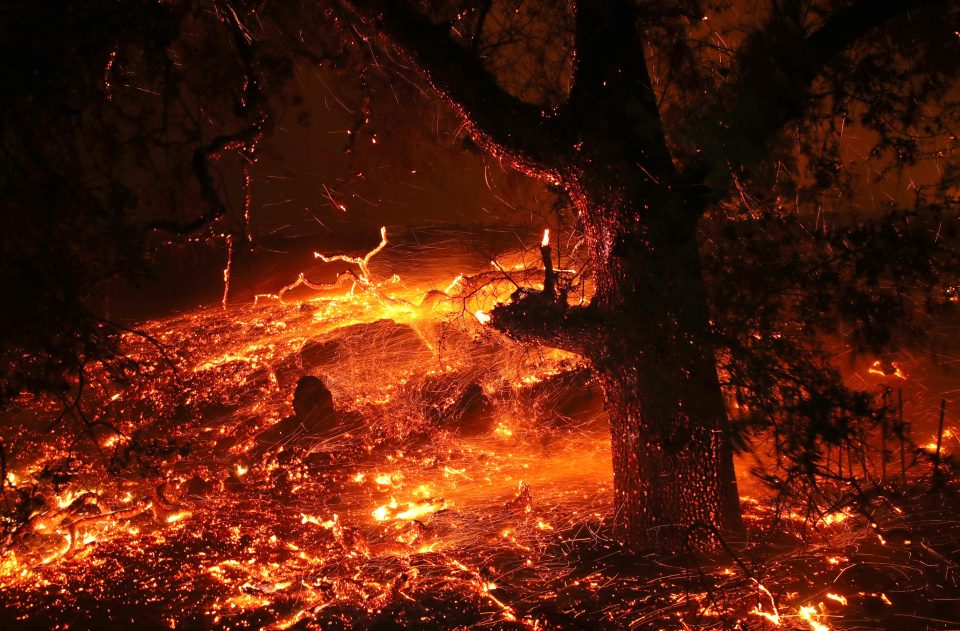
{"x":674,"y":480}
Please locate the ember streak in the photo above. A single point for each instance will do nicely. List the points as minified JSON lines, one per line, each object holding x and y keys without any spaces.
{"x":403,"y":513}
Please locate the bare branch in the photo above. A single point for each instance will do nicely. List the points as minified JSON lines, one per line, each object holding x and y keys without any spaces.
{"x":482,"y":13}
{"x":499,"y":121}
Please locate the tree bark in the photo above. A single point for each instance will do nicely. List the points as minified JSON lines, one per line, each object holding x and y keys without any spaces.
{"x":647,"y":333}
{"x":674,"y":481}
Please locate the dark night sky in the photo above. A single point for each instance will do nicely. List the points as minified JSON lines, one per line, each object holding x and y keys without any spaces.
{"x":415,"y":168}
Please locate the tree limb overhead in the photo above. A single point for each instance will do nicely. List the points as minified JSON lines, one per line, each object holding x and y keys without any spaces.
{"x":531,"y":136}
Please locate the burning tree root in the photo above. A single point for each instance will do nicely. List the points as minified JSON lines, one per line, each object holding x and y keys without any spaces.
{"x":84,"y":513}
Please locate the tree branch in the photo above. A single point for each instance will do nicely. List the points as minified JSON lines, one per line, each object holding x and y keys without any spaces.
{"x":848,"y":25}
{"x":499,"y":121}
{"x":778,"y":68}
{"x":533,"y":317}
{"x":252,"y":105}
{"x":244,"y":141}
{"x":482,"y":13}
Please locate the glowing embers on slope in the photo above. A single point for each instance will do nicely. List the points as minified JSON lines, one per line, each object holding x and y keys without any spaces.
{"x":811,"y":616}
{"x":342,"y":528}
{"x":235,"y":375}
{"x":432,"y":552}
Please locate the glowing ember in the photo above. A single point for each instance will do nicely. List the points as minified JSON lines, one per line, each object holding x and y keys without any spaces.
{"x":886,"y":369}
{"x":409,"y":511}
{"x":811,"y":617}
{"x":837,"y":598}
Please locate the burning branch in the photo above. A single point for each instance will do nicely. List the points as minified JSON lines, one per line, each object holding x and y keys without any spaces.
{"x":365,"y":278}
{"x":362,"y":263}
{"x":544,"y":316}
{"x":532,"y":317}
{"x":302,"y":280}
{"x":549,"y":276}
{"x":227,"y":271}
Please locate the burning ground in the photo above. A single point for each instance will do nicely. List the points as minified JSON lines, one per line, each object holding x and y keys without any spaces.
{"x":366,"y":453}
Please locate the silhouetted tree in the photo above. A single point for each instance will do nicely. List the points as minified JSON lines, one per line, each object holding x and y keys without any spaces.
{"x":663,"y":114}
